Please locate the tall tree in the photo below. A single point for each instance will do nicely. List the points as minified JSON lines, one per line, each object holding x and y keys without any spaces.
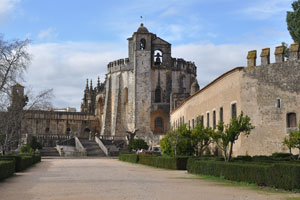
{"x":293,"y":21}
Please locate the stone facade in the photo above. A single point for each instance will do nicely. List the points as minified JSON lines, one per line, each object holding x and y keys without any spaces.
{"x":139,"y":91}
{"x":269,"y":94}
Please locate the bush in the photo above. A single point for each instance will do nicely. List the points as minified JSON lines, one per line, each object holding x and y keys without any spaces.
{"x":132,"y":158}
{"x":137,"y":144}
{"x":178,"y":163}
{"x":279,"y":175}
{"x":23,"y":161}
{"x":7,"y":168}
{"x":26,"y":149}
{"x":34,"y":144}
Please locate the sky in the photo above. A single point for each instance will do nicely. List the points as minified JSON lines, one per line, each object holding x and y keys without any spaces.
{"x":72,"y":40}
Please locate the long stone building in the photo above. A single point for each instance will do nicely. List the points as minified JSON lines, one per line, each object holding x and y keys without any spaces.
{"x":269,"y":94}
{"x":139,"y":91}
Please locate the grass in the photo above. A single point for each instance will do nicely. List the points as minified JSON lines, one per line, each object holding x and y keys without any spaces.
{"x":225,"y":182}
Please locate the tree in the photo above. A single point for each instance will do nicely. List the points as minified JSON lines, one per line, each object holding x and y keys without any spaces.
{"x":293,"y":21}
{"x":14,"y":60}
{"x":293,"y":140}
{"x":201,"y":138}
{"x":177,"y":142}
{"x":136,"y":144}
{"x":228,"y":134}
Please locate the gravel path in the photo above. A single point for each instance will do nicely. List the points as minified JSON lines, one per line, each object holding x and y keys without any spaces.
{"x":110,"y":179}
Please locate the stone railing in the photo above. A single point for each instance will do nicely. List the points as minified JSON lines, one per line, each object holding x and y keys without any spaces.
{"x":79,"y":147}
{"x":101,"y":145}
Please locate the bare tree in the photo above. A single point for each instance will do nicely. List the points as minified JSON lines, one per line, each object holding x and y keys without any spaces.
{"x":14,"y":105}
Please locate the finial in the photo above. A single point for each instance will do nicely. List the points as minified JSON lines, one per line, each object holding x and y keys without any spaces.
{"x":91,"y":85}
{"x":87,"y":84}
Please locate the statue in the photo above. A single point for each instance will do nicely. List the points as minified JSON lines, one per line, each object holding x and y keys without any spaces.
{"x":131,"y":134}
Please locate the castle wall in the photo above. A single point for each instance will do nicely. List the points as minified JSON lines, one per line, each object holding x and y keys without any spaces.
{"x":261,"y":88}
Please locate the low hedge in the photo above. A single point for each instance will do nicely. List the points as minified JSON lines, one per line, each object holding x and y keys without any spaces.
{"x":127,"y":157}
{"x":7,"y":168}
{"x":23,"y":161}
{"x":178,"y":163}
{"x":280,"y":175}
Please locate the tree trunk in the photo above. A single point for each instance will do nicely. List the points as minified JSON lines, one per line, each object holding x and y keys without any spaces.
{"x":230,"y":151}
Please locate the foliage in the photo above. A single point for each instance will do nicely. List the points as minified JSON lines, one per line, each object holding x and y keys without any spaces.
{"x":22,"y":161}
{"x":293,"y":21}
{"x":279,"y":175}
{"x":129,"y":157}
{"x":7,"y":168}
{"x":201,"y":138}
{"x":286,"y":50}
{"x":226,"y":135}
{"x":34,"y":144}
{"x":136,"y":144}
{"x":26,"y":149}
{"x":177,"y":142}
{"x":177,"y":163}
{"x":293,"y":140}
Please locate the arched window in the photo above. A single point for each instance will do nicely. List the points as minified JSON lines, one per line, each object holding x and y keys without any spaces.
{"x":291,"y":120}
{"x":143,"y":44}
{"x":47,"y":130}
{"x":68,"y":131}
{"x":125,"y":95}
{"x":157,"y":95}
{"x":159,"y":123}
{"x":158,"y":57}
{"x":87,"y":130}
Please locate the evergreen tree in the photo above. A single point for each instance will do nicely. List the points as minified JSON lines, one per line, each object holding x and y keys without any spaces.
{"x":293,"y":21}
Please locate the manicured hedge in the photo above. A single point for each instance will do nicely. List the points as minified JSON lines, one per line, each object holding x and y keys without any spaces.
{"x":178,"y":163}
{"x":7,"y":168}
{"x":280,"y":175}
{"x":23,"y":161}
{"x":127,"y":157}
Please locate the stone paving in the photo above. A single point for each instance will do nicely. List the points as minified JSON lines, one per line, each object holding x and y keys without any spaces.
{"x":91,"y":179}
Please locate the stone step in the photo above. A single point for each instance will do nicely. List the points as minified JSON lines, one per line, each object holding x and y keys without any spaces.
{"x":91,"y":147}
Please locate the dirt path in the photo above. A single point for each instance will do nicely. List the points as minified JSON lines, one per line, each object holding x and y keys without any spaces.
{"x":110,"y":179}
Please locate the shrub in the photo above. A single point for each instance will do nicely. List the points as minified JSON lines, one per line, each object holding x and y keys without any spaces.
{"x":281,"y":155}
{"x":178,"y":163}
{"x":34,"y":144}
{"x":137,"y":144}
{"x":7,"y":168}
{"x":23,"y":161}
{"x":279,"y":175}
{"x":127,"y":157}
{"x":26,"y":149}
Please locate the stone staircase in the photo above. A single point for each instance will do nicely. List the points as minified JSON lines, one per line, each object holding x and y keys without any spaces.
{"x":91,"y":147}
{"x":49,"y":151}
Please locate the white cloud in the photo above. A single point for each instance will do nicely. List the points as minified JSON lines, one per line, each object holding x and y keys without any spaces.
{"x":49,"y":33}
{"x":65,"y":67}
{"x":266,"y":9}
{"x":214,"y":60}
{"x":6,"y":7}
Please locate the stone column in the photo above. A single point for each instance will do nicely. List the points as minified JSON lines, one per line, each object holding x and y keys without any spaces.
{"x":294,"y":52}
{"x":279,"y":57}
{"x":251,"y":58}
{"x":265,"y":56}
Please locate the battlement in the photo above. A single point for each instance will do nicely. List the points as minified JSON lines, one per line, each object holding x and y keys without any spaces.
{"x":182,"y":65}
{"x":118,"y":65}
{"x":279,"y":55}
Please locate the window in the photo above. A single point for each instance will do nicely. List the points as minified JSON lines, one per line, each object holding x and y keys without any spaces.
{"x":159,"y":122}
{"x":214,"y":120}
{"x":291,"y":120}
{"x":221,"y":114}
{"x":142,"y":44}
{"x":202,"y":120}
{"x":207,"y":119}
{"x":189,"y":125}
{"x":278,"y":103}
{"x":68,"y":131}
{"x":233,"y":111}
{"x":157,"y":95}
{"x":182,"y":120}
{"x":193,"y":123}
{"x":47,"y":130}
{"x":157,"y":57}
{"x":125,"y":95}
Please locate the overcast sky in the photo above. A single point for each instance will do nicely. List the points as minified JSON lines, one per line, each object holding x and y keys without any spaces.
{"x":75,"y":39}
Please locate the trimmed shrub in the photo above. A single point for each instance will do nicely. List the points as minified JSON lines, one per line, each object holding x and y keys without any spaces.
{"x":178,"y":163}
{"x":128,"y":157}
{"x":7,"y":168}
{"x":279,"y":175}
{"x":23,"y":161}
{"x":26,"y":149}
